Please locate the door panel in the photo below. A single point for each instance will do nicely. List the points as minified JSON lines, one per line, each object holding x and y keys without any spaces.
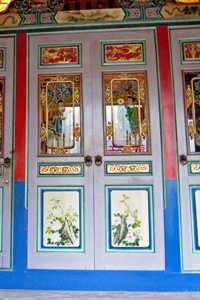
{"x":186,"y":70}
{"x":6,"y":147}
{"x":95,"y":195}
{"x":128,"y":185}
{"x":60,"y":201}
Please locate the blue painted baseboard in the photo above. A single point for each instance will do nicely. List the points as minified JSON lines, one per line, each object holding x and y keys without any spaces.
{"x":162,"y":281}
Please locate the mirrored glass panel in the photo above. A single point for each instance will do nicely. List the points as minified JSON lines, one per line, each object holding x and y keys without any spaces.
{"x":191,"y":82}
{"x":126,"y":113}
{"x":60,"y":115}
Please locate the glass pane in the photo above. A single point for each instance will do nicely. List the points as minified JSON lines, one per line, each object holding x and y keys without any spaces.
{"x":126,"y":113}
{"x":60,"y":114}
{"x":2,"y":95}
{"x":191,"y":82}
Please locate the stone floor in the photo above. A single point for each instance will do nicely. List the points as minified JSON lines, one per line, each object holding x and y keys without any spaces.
{"x":60,"y":295}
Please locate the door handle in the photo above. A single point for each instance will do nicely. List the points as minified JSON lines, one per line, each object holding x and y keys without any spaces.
{"x":98,"y":160}
{"x":7,"y":162}
{"x":183,"y":159}
{"x":88,"y":160}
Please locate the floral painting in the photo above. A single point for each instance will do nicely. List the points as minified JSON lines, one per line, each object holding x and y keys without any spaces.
{"x":61,"y":219}
{"x":129,"y":211}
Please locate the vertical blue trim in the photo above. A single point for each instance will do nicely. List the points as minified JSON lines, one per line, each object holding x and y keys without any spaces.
{"x":172,"y":232}
{"x":20,"y":228}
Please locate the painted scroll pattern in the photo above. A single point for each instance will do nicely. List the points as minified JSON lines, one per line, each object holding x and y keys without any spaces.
{"x":60,"y":170}
{"x":128,"y":168}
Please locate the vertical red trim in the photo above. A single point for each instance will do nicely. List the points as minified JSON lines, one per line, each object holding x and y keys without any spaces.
{"x":167,"y":105}
{"x":20,"y":108}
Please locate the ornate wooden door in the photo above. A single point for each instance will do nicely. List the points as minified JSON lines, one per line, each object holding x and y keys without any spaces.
{"x":95,"y":167}
{"x":6,"y":148}
{"x":186,"y":70}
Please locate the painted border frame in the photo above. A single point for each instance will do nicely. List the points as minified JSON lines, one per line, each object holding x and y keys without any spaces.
{"x":106,"y":43}
{"x":150,"y":173}
{"x":47,"y":66}
{"x":188,"y":61}
{"x":58,"y":164}
{"x":149,"y":189}
{"x":40,"y":191}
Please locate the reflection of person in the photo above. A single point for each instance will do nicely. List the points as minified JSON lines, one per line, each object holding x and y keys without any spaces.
{"x":130,"y":110}
{"x":59,"y":120}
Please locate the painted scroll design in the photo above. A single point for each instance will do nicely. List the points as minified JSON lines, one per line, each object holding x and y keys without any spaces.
{"x":60,"y":170}
{"x":126,"y":229}
{"x":195,"y":168}
{"x":127,"y":168}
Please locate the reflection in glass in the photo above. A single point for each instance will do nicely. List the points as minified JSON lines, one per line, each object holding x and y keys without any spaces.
{"x":126,"y":113}
{"x":60,"y":115}
{"x":191,"y":82}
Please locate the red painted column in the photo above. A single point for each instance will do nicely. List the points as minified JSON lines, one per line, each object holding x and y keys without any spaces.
{"x":20,"y":108}
{"x":167,"y":103}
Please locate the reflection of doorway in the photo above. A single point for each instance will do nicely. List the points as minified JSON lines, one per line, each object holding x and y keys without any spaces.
{"x":98,"y":173}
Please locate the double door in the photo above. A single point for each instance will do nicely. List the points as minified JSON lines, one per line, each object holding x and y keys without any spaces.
{"x":94,"y":167}
{"x":186,"y":70}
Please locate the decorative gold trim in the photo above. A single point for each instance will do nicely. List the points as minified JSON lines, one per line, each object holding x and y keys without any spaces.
{"x":144,"y":129}
{"x":195,"y":168}
{"x":109,"y":130}
{"x":189,"y":96}
{"x":43,"y":97}
{"x":59,"y":150}
{"x":108,"y":95}
{"x":59,"y":170}
{"x":43,"y":132}
{"x":128,"y":168}
{"x":127,"y":149}
{"x":191,"y":130}
{"x":77,"y":132}
{"x":142,"y":94}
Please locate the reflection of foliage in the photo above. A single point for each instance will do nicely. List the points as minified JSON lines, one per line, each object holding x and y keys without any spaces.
{"x":125,"y":230}
{"x":62,"y":229}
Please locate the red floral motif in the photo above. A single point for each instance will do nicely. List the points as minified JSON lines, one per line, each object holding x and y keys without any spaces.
{"x":151,"y":13}
{"x":45,"y":18}
{"x":30,"y":19}
{"x":135,"y":13}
